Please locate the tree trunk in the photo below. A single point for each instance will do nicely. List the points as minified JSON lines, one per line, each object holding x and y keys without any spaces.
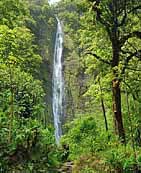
{"x":117,"y":109}
{"x":104,"y":114}
{"x":103,"y":107}
{"x":116,"y":90}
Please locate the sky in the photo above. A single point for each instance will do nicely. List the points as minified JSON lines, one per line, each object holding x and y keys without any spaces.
{"x":53,"y":1}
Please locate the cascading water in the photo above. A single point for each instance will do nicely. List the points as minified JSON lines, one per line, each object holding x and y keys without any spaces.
{"x":58,"y":82}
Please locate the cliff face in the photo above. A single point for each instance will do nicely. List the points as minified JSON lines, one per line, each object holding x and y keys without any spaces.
{"x":44,"y":26}
{"x":47,"y":52}
{"x":76,"y":80}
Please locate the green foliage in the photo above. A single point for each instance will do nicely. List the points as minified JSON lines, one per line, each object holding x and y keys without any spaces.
{"x":25,"y":144}
{"x":16,"y":46}
{"x":13,"y":13}
{"x":90,"y":27}
{"x":95,"y":151}
{"x":81,"y":136}
{"x":31,"y":147}
{"x":27,"y":33}
{"x":27,"y":92}
{"x":43,"y":25}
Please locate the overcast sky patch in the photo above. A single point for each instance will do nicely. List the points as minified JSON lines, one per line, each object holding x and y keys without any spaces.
{"x":53,"y":1}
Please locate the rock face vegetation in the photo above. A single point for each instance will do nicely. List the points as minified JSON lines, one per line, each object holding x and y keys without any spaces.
{"x":101,"y":60}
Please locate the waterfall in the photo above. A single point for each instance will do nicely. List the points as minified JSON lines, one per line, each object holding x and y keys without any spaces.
{"x":58,"y":82}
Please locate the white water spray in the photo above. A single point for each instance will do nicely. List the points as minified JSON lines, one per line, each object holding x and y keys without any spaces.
{"x":58,"y":83}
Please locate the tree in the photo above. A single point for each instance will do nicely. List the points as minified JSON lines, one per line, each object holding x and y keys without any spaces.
{"x":17,"y":44}
{"x":13,"y":13}
{"x":120,"y":22}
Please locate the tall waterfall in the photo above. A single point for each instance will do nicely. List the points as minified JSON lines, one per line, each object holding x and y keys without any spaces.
{"x":58,"y":82}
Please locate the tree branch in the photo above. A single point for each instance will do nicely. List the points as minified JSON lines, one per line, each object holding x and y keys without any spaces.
{"x":135,"y":8}
{"x":133,"y":69}
{"x":98,"y":58}
{"x":124,"y":15}
{"x":131,"y":91}
{"x":99,"y":18}
{"x":135,"y":54}
{"x":130,"y":35}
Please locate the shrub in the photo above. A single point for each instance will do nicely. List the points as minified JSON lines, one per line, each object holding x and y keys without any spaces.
{"x":27,"y":145}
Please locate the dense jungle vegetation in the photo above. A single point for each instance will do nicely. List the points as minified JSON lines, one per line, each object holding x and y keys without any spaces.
{"x":102,"y":73}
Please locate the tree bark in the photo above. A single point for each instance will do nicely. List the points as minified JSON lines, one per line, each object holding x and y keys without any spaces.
{"x":103,"y":107}
{"x":119,"y":129}
{"x":117,"y":110}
